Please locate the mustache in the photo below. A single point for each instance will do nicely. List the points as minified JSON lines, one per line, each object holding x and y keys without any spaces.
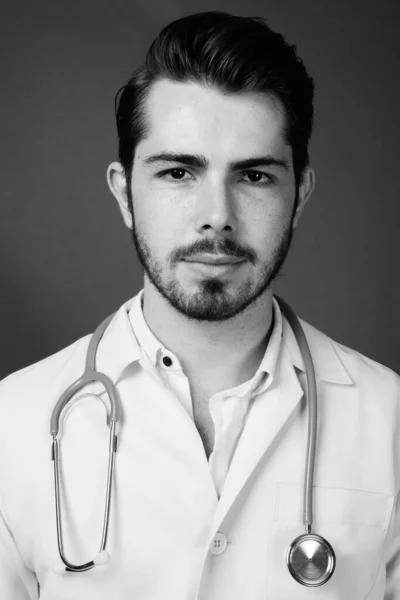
{"x":208,"y":246}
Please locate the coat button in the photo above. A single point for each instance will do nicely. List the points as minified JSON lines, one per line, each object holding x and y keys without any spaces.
{"x":219,"y":544}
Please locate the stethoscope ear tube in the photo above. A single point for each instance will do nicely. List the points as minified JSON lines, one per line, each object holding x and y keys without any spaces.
{"x":85,"y":379}
{"x":89,"y":376}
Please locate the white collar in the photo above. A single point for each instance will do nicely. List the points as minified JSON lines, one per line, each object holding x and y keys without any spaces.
{"x":119,"y":347}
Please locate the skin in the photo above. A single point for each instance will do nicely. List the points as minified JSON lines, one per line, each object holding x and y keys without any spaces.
{"x":215,"y":318}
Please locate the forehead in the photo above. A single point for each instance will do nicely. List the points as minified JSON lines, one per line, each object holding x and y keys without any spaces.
{"x":191,"y":117}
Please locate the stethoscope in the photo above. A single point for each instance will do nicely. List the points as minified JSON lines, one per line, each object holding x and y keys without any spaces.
{"x":310,"y":558}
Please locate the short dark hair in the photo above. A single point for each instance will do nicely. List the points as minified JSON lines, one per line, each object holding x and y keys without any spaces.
{"x":234,"y":54}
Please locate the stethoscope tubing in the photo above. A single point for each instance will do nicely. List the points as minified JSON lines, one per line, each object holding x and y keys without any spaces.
{"x":312,"y":412}
{"x":90,"y":375}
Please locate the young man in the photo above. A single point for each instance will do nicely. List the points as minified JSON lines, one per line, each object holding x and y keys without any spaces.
{"x":207,"y":494}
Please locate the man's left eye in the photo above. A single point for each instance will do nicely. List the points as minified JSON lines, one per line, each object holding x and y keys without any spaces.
{"x":257,"y":177}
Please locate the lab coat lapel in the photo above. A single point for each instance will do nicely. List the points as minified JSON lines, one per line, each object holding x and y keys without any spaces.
{"x":270,"y":411}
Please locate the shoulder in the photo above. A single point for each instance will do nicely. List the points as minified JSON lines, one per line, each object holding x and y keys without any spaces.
{"x":47,"y":373}
{"x":362,"y":370}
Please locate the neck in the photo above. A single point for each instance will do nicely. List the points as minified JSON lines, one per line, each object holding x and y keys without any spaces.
{"x":229,"y":351}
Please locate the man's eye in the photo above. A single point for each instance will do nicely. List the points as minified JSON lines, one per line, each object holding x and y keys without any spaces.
{"x":177,"y":174}
{"x":257,"y":177}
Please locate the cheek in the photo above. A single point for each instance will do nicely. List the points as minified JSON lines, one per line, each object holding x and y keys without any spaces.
{"x":268,"y":225}
{"x":159,"y":223}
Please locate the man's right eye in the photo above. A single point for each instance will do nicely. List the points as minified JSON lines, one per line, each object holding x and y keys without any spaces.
{"x":176,"y":174}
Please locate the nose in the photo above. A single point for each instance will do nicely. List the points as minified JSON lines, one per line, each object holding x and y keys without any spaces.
{"x":215,"y":209}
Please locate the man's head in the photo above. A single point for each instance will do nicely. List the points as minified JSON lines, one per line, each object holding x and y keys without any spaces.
{"x":213,"y":136}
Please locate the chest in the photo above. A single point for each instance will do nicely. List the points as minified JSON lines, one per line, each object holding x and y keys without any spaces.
{"x":203,"y":419}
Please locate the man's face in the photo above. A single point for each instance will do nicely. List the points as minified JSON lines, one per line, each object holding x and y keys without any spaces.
{"x":213,"y":194}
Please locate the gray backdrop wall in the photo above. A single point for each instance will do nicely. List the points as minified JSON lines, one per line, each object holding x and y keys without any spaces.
{"x":66,"y":259}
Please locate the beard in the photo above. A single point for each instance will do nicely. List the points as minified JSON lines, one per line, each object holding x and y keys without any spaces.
{"x":213,"y":300}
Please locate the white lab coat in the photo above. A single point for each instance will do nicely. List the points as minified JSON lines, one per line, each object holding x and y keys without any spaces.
{"x":165,"y":513}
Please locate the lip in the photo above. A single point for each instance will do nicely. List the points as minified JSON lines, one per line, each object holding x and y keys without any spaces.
{"x":213,"y":259}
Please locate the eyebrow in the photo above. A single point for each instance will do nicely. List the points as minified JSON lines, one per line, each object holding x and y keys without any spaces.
{"x":199,"y":161}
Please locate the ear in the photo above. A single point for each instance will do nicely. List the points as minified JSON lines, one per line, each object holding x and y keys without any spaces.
{"x":117,"y":183}
{"x":305,"y":190}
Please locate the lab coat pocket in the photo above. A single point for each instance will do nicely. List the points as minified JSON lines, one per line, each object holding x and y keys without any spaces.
{"x":354,"y":522}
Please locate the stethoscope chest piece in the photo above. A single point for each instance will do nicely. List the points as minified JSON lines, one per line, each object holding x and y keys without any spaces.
{"x":311,"y":560}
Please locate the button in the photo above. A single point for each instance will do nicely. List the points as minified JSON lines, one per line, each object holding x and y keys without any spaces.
{"x":219,"y":544}
{"x":167,"y":361}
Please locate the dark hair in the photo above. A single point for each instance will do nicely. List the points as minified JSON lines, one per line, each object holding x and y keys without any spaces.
{"x":233,"y":53}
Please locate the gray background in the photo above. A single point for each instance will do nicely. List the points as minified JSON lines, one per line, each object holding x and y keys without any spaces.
{"x":66,"y":258}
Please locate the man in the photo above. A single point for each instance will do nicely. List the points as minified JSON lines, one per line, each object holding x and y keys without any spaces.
{"x":213,"y":176}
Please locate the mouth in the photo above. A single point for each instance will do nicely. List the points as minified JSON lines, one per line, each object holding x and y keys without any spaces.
{"x":214,"y":260}
{"x":211,"y":265}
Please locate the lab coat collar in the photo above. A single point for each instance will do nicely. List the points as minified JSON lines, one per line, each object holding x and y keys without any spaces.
{"x":145,"y":337}
{"x":327,"y":364}
{"x":118,"y":348}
